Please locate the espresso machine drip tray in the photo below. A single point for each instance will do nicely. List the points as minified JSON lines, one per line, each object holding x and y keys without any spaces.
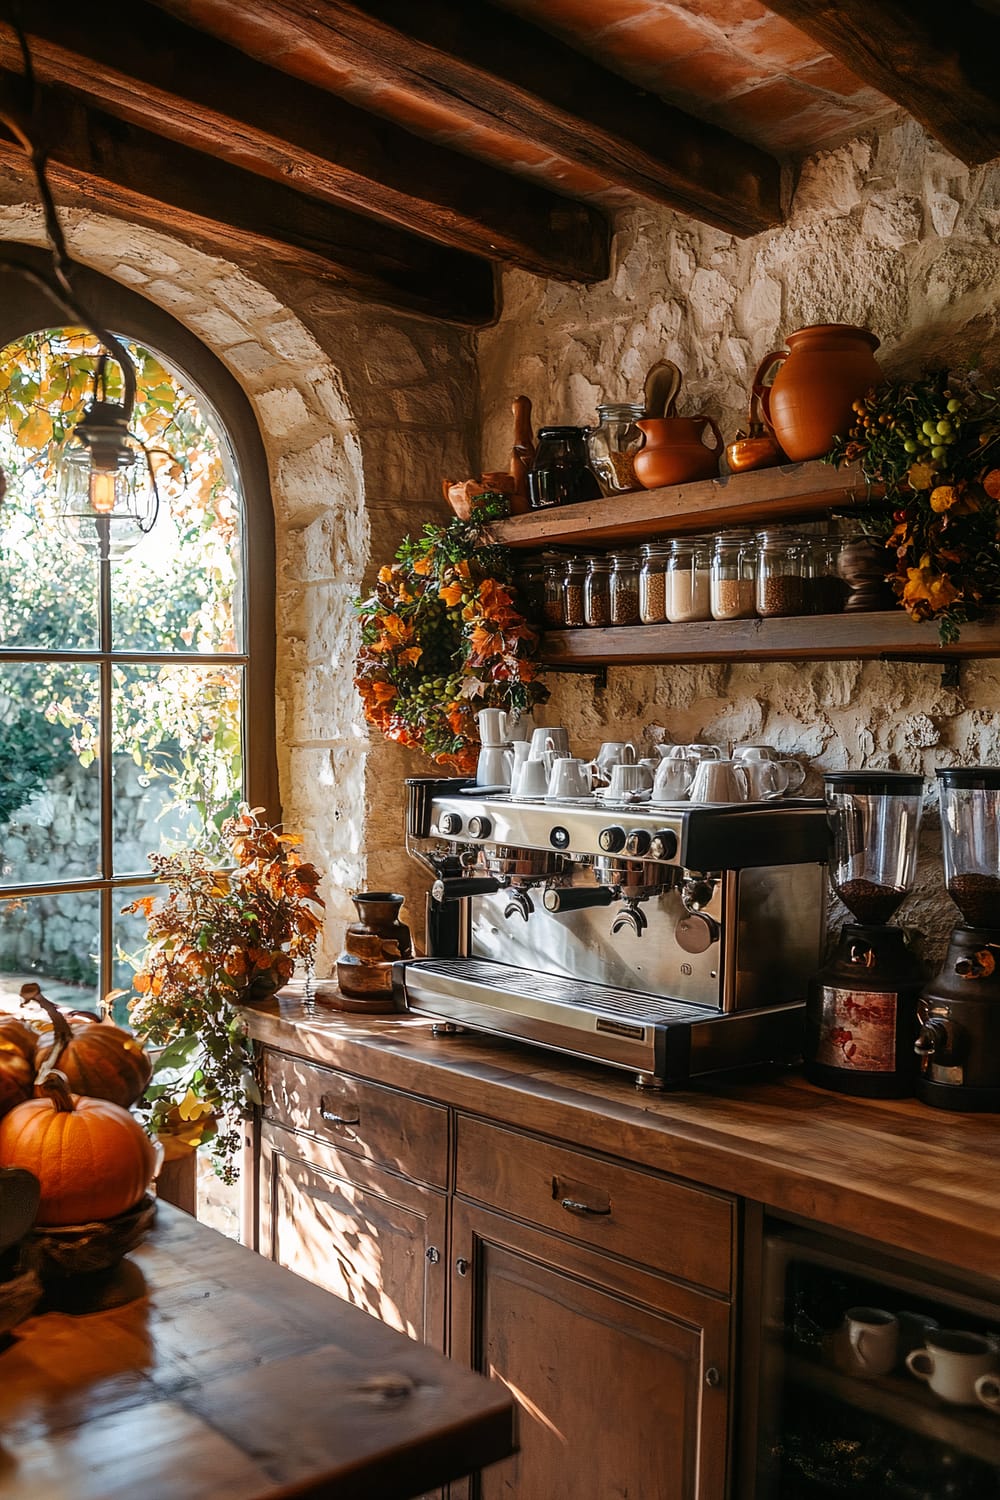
{"x":664,"y":1042}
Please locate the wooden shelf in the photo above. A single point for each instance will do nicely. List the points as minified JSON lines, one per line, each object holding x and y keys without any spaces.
{"x":886,"y":636}
{"x":761,"y":497}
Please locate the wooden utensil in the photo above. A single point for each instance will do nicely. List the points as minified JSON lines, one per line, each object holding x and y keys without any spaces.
{"x":661,"y":389}
{"x":522,"y":454}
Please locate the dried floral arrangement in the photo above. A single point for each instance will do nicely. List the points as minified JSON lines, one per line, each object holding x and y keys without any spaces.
{"x":442,"y":637}
{"x":219,"y":937}
{"x":933,"y":444}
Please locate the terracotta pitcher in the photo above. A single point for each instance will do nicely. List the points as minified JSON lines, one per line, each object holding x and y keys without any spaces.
{"x":674,"y":451}
{"x":824,"y":370}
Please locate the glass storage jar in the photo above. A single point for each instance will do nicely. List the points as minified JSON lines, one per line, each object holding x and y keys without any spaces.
{"x":825,"y":589}
{"x":574,"y":584}
{"x":624,"y":588}
{"x":552,"y":597}
{"x":561,"y":472}
{"x":597,"y":592}
{"x":688,"y":574}
{"x":529,"y":580}
{"x":734,"y":576}
{"x":653,"y":583}
{"x":612,"y":446}
{"x":781,"y":584}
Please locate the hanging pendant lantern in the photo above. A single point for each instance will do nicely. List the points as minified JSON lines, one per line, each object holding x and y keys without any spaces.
{"x":107,"y":496}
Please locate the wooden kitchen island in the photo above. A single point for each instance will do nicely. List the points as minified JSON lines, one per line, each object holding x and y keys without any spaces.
{"x":600,"y":1248}
{"x":210,"y":1374}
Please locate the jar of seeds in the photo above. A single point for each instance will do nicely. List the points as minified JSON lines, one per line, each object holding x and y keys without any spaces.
{"x":653,"y":583}
{"x":573,"y":590}
{"x":612,"y":446}
{"x":734,"y":576}
{"x":688,"y":573}
{"x":781,"y":565}
{"x":552,"y":598}
{"x":597,"y":592}
{"x":624,"y":588}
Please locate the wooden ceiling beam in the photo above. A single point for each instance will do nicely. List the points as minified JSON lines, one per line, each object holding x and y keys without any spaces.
{"x":489,"y":70}
{"x":171,"y":80}
{"x":126,"y":171}
{"x":938,"y":61}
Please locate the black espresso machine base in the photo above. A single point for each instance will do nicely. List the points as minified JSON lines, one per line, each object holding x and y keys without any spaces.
{"x":665,"y":1043}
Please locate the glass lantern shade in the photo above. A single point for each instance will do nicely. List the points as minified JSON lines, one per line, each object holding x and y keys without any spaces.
{"x":105,"y":499}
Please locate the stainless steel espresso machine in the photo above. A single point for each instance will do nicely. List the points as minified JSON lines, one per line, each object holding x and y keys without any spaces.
{"x":670,"y":941}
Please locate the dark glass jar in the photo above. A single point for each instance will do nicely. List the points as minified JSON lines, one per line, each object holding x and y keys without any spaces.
{"x":561,"y":473}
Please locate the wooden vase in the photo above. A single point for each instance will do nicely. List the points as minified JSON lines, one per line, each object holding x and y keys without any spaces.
{"x":372,"y":945}
{"x":824,"y":370}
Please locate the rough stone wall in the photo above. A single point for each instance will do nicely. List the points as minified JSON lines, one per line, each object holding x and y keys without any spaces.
{"x":888,"y":232}
{"x":361,"y":411}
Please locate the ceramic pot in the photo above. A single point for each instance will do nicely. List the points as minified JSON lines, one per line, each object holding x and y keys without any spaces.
{"x":756,"y":448}
{"x":674,"y":451}
{"x":371,"y":947}
{"x":824,"y":370}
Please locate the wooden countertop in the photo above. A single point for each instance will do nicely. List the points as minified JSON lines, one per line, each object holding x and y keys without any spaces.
{"x":921,"y":1179}
{"x":212,"y":1374}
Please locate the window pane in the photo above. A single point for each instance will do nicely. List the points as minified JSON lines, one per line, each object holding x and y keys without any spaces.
{"x":129,"y":942}
{"x":178,"y":768}
{"x":48,"y":588}
{"x":49,"y":789}
{"x":50,"y":941}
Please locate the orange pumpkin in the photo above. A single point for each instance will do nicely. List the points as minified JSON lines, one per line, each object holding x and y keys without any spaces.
{"x":92,"y":1158}
{"x":20,"y":1035}
{"x":98,"y":1058}
{"x":17,"y":1072}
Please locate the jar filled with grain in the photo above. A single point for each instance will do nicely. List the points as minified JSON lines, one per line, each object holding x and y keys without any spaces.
{"x":624,"y":588}
{"x":574,"y":582}
{"x":688,"y":580}
{"x":653,"y":583}
{"x":734,"y":576}
{"x":781,"y":567}
{"x":552,"y":597}
{"x":612,"y":446}
{"x":597,"y":592}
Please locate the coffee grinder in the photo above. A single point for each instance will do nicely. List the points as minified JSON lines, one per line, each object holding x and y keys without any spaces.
{"x":861,"y":1008}
{"x":958,"y":1041}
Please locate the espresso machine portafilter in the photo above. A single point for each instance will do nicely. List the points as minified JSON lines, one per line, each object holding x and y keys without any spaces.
{"x":672,"y":942}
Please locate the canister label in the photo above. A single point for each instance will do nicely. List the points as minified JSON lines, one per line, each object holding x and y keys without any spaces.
{"x":857,"y":1030}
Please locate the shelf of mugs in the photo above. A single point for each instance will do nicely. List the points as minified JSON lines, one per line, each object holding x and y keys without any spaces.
{"x":887,"y":635}
{"x":793,"y":492}
{"x":904,"y":1401}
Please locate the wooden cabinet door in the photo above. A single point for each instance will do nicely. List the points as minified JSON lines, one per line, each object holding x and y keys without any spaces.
{"x":369,"y":1236}
{"x":621,"y":1377}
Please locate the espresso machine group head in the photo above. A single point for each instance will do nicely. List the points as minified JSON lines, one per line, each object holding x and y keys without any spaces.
{"x":673,"y":941}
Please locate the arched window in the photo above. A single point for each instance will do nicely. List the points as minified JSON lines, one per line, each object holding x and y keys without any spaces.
{"x":128,"y":683}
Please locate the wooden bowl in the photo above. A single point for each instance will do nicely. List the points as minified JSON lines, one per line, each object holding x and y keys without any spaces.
{"x":81,"y":1249}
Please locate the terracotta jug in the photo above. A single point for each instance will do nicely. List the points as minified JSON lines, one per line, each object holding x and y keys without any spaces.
{"x":823,"y":371}
{"x":674,"y":452}
{"x":371,"y":947}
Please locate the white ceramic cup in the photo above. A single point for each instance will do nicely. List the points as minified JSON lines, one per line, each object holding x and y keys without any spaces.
{"x":870,"y":1340}
{"x":767,"y":779}
{"x":494,"y":766}
{"x":568,"y":778}
{"x":794,"y":769}
{"x":695,"y":752}
{"x":628,"y":781}
{"x":673,"y":779}
{"x":554,"y":738}
{"x":720,"y":781}
{"x":532,"y":779}
{"x":493,"y":727}
{"x":520,"y":726}
{"x":952,"y":1363}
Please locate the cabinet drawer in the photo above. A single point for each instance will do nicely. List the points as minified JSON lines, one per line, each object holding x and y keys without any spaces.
{"x":682,"y":1231}
{"x":363,"y":1119}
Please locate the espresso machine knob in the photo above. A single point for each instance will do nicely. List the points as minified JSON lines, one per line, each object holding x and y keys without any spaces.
{"x":450,"y":822}
{"x":480,"y":828}
{"x":663,"y":845}
{"x":637,"y":843}
{"x":612,"y":839}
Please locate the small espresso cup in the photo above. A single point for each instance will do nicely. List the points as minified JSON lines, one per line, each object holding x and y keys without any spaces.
{"x":614,"y":753}
{"x":531,"y":779}
{"x":795,"y":771}
{"x":720,"y":781}
{"x":628,"y":782}
{"x":568,"y":778}
{"x":952,"y":1362}
{"x":870,"y":1340}
{"x":767,"y":779}
{"x":552,"y":738}
{"x":673,"y":779}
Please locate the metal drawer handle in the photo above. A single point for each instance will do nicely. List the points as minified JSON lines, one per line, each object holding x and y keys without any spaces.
{"x":332,"y":1118}
{"x":573,"y":1206}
